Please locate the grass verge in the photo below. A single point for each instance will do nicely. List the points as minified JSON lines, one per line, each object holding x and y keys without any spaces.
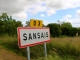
{"x":67,"y":48}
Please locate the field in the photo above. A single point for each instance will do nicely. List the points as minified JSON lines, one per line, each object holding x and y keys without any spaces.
{"x":62,"y":48}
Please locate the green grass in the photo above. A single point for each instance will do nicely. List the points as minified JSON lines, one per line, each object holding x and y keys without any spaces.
{"x":11,"y":44}
{"x":68,"y":47}
{"x":63,"y":48}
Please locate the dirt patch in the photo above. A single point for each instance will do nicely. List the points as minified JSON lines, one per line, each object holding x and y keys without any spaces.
{"x":8,"y":55}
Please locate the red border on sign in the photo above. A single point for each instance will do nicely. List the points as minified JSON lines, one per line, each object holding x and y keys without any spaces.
{"x":19,"y":42}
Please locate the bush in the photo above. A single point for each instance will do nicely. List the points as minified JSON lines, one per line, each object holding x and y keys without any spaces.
{"x":55,"y":30}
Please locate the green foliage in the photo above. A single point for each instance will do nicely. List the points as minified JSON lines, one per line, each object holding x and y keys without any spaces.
{"x":78,"y":30}
{"x":65,"y":29}
{"x":66,"y":24}
{"x":73,"y":31}
{"x":27,"y":23}
{"x":8,"y":25}
{"x":55,"y":30}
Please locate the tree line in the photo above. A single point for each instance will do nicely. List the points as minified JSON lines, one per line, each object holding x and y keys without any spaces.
{"x":8,"y":25}
{"x":65,"y":28}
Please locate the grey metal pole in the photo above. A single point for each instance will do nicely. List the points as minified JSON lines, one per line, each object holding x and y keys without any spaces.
{"x":45,"y":50}
{"x":28,"y":53}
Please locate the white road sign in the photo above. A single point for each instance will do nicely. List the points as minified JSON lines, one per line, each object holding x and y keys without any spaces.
{"x":28,"y":36}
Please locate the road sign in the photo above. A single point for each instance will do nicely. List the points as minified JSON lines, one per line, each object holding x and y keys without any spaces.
{"x":28,"y":36}
{"x":36,"y":23}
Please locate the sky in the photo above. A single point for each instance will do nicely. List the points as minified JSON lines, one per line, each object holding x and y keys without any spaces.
{"x":49,"y":11}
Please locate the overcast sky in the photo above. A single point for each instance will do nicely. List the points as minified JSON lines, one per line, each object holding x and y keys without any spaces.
{"x":50,"y":11}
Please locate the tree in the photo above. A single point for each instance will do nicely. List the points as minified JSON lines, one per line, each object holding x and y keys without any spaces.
{"x":78,"y":31}
{"x":8,"y":25}
{"x":66,"y":28}
{"x":66,"y":24}
{"x":19,"y":23}
{"x":74,"y":31}
{"x":55,"y":30}
{"x":27,"y":23}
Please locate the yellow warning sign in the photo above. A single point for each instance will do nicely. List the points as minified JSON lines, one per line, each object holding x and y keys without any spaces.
{"x":36,"y":23}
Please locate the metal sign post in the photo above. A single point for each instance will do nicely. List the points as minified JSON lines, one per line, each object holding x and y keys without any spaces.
{"x":45,"y":50}
{"x":28,"y":53}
